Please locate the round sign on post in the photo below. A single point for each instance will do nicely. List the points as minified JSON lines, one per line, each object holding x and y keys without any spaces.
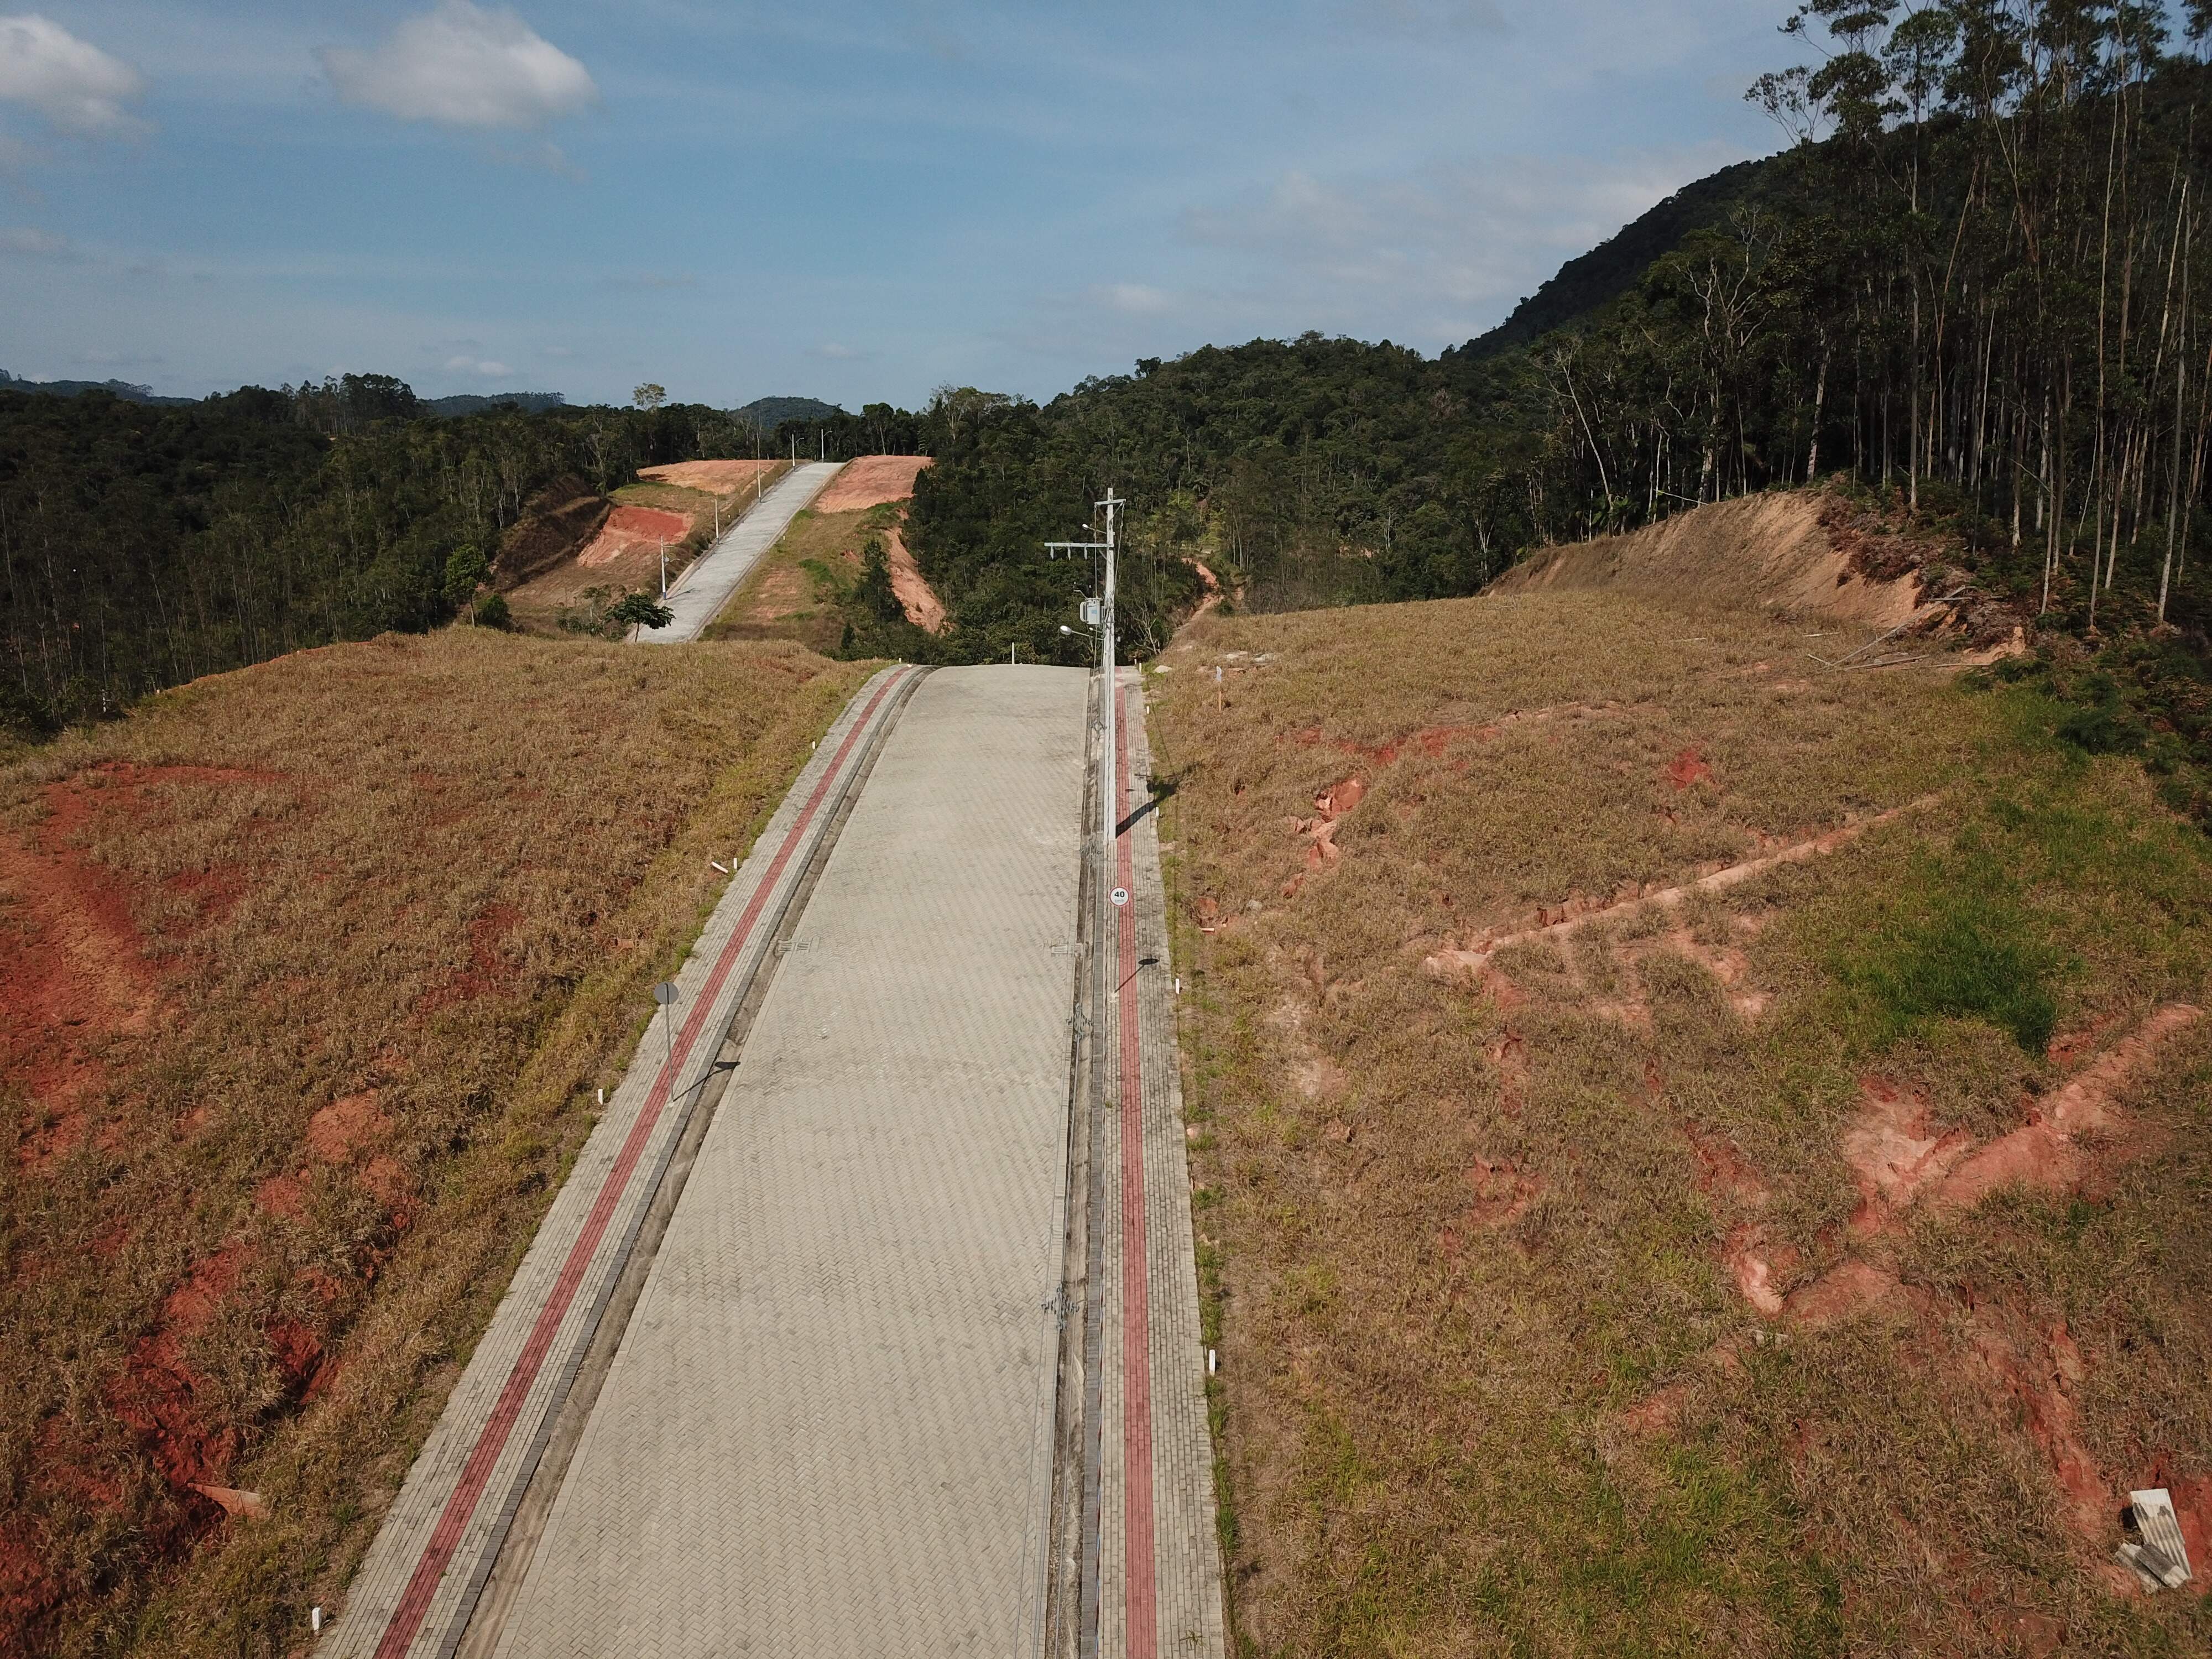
{"x":1121,"y":897}
{"x":665,"y":993}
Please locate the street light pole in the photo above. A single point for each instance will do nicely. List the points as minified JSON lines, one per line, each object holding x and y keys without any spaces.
{"x":1110,"y":804}
{"x":1108,"y":794}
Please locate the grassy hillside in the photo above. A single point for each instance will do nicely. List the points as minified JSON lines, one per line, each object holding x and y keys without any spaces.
{"x":312,"y":972}
{"x":1697,"y":1152}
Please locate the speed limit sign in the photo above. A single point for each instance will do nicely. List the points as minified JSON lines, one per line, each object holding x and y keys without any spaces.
{"x":1121,"y":897}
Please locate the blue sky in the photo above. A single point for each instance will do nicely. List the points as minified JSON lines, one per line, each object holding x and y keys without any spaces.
{"x":739,"y":200}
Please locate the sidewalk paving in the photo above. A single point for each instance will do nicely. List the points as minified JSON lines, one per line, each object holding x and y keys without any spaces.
{"x":418,"y":1585}
{"x":1159,"y":1559}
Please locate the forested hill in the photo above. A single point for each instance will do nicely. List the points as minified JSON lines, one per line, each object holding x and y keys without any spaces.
{"x":1974,"y":292}
{"x":142,"y":545}
{"x":1616,"y":265}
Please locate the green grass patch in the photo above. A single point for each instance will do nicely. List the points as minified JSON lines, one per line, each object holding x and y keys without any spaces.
{"x":1952,"y":948}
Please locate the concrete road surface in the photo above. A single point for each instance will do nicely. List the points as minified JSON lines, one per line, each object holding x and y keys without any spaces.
{"x":827,"y":1429}
{"x":700,"y":594}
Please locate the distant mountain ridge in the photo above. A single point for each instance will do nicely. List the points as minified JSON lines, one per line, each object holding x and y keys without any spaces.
{"x":774,"y":411}
{"x":475,"y":403}
{"x":123,"y":389}
{"x":1617,"y":265}
{"x":463,"y":403}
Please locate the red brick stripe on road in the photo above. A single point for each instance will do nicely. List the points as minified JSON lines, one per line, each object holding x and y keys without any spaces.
{"x":1139,"y":1568}
{"x":491,"y":1440}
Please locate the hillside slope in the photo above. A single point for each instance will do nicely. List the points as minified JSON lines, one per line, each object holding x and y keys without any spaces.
{"x":1798,"y":554}
{"x":312,"y":971}
{"x":1697,"y":1151}
{"x":1592,"y":280}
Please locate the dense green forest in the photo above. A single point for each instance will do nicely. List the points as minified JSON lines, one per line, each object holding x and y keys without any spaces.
{"x":1969,"y":288}
{"x":146,"y":544}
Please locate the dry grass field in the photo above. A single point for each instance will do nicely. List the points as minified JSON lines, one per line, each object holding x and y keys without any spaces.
{"x":1697,"y":1152}
{"x":312,"y":971}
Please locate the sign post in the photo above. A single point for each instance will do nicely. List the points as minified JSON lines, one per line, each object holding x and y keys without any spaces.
{"x":664,"y":995}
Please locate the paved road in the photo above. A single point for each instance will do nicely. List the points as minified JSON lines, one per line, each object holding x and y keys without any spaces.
{"x":416,"y":1591}
{"x":827,"y":1430}
{"x":780,"y":1373}
{"x":705,"y":587}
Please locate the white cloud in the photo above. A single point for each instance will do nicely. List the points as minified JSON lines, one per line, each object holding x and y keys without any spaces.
{"x":28,"y":242}
{"x":462,"y":66}
{"x":72,"y":82}
{"x":1137,"y":299}
{"x":834,"y":352}
{"x":479,"y":366}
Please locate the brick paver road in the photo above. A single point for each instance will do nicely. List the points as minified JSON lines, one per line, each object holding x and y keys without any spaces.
{"x":827,"y":1429}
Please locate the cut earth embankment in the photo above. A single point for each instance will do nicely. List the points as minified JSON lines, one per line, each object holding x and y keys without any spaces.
{"x":314,"y":970}
{"x":1697,"y":1150}
{"x":573,"y":553}
{"x":1807,"y":554}
{"x":796,"y":591}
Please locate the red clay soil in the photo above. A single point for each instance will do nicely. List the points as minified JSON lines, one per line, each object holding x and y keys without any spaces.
{"x":488,"y":973}
{"x":1434,"y":740}
{"x":1558,"y":920}
{"x":717,"y":477}
{"x":1320,"y":831}
{"x":1503,"y":1193}
{"x":915,"y":597}
{"x":157,"y":1394}
{"x":870,"y":482}
{"x":1213,"y":594}
{"x":344,"y":1127}
{"x":73,"y":974}
{"x":1688,"y":767}
{"x":629,"y":529}
{"x":1899,"y":1157}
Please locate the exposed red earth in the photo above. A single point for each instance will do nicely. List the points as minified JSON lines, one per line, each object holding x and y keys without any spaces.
{"x":871,"y":481}
{"x":1555,"y":921}
{"x":73,"y":973}
{"x":1900,"y":1159}
{"x":631,"y":530}
{"x":923,"y":606}
{"x":719,"y":477}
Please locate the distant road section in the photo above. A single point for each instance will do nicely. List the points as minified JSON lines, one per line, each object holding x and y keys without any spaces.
{"x":698,"y":598}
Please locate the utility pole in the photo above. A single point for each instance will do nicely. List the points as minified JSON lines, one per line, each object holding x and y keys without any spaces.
{"x":1100,"y":611}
